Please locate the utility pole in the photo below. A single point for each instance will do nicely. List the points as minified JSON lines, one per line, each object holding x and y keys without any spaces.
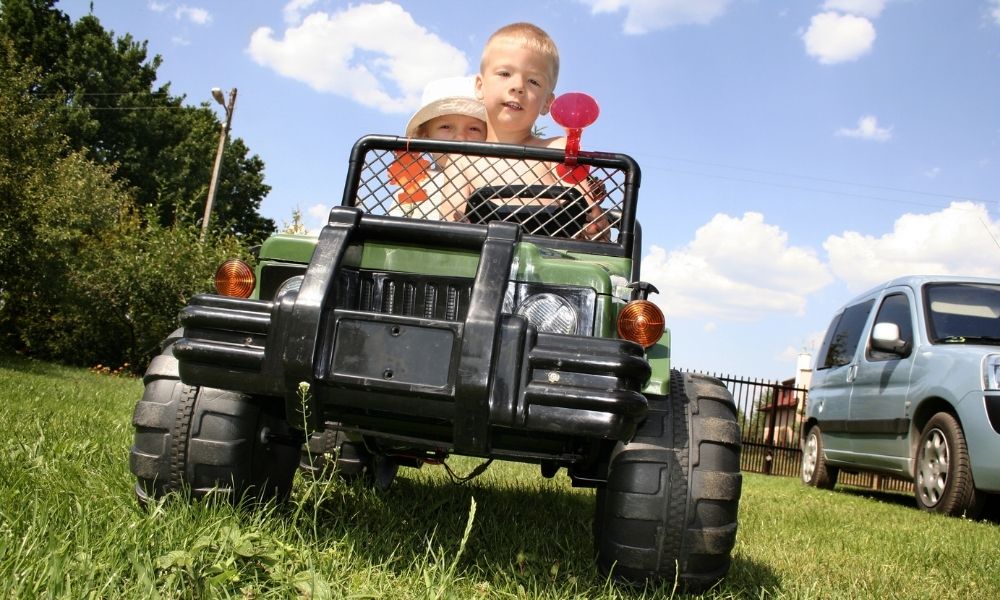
{"x":217,"y":94}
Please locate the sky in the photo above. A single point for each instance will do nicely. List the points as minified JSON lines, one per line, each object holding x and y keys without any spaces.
{"x":794,"y":153}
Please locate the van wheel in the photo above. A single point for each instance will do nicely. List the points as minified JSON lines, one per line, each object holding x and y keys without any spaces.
{"x":815,"y":471}
{"x":668,"y":511}
{"x":943,"y":479}
{"x":208,"y":441}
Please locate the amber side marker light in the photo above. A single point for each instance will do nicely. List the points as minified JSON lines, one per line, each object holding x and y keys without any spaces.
{"x":235,"y":278}
{"x":642,"y":322}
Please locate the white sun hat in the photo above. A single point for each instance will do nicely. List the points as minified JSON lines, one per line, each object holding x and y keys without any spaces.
{"x":450,"y":96}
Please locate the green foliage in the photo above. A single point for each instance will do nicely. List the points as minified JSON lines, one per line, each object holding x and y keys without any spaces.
{"x":161,"y":151}
{"x":83,"y":278}
{"x":125,"y":290}
{"x":27,"y":144}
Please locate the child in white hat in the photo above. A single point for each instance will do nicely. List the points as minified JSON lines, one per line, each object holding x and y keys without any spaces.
{"x":449,"y":111}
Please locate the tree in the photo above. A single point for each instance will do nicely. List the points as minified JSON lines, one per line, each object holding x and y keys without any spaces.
{"x":111,"y":110}
{"x":28,"y":143}
{"x":85,"y":277}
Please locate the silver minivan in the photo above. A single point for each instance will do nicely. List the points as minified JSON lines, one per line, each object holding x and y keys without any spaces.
{"x":907,"y":382}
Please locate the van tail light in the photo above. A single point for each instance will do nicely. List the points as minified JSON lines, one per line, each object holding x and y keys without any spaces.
{"x":235,"y":278}
{"x":642,"y":322}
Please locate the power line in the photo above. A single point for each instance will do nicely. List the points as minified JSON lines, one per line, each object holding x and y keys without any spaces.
{"x":814,"y":178}
{"x":823,"y":179}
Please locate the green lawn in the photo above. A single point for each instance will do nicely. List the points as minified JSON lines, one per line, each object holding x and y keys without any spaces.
{"x":70,"y":526}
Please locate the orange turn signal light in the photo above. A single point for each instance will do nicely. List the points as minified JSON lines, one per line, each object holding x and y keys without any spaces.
{"x":642,"y":322}
{"x":235,"y":278}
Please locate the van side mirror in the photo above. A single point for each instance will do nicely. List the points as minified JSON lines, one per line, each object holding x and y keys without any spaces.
{"x":885,"y":338}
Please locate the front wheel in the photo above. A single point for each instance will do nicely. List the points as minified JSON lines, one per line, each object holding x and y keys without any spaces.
{"x":208,"y":440}
{"x":943,"y":479}
{"x":815,"y":471}
{"x":669,"y":508}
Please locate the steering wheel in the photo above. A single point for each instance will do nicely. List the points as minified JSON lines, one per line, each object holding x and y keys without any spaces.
{"x":564,"y":216}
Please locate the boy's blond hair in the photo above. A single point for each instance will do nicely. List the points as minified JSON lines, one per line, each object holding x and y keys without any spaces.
{"x":529,"y":36}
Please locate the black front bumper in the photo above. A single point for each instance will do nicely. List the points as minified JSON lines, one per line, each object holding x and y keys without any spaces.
{"x":460,"y":385}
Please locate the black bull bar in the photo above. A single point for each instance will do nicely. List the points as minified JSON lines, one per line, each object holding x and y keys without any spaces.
{"x":488,"y":373}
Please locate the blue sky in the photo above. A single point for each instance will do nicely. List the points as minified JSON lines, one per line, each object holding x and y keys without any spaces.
{"x":794,"y":153}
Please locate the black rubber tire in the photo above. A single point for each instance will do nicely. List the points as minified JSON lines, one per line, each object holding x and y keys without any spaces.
{"x":669,"y":509}
{"x":942,"y":480}
{"x":815,"y":471}
{"x":208,"y":441}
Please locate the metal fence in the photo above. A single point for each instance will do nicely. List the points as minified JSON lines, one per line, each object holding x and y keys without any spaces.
{"x":770,"y":415}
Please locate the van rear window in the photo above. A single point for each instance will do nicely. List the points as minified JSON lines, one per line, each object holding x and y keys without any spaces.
{"x":841,"y":342}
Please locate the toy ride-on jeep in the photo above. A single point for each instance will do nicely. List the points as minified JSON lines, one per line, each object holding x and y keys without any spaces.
{"x":435,"y":316}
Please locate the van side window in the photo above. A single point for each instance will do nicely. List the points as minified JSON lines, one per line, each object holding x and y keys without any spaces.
{"x":894,"y":309}
{"x":844,"y":334}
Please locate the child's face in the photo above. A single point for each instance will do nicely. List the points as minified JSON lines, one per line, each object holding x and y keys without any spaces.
{"x":462,"y":128}
{"x":516,"y":86}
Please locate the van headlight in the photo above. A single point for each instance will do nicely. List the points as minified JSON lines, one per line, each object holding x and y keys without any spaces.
{"x":991,"y":373}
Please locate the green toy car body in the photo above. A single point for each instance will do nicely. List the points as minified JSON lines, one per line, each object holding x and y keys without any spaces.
{"x":519,"y":331}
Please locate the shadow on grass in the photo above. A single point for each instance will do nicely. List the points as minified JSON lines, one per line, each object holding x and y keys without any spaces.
{"x":535,"y":534}
{"x":896,"y":498}
{"x":31,"y":366}
{"x":991,"y":509}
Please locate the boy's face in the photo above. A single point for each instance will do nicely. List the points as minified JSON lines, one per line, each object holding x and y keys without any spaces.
{"x":515,"y":85}
{"x":462,"y":128}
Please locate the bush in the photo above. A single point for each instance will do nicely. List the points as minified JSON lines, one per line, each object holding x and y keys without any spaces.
{"x":121,"y":294}
{"x":84,"y":278}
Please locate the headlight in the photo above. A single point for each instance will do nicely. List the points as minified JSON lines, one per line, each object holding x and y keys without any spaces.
{"x":290,"y":284}
{"x":509,"y":298}
{"x":549,"y":312}
{"x":991,"y":373}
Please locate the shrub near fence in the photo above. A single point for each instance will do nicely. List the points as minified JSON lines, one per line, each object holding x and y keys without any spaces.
{"x":770,"y":416}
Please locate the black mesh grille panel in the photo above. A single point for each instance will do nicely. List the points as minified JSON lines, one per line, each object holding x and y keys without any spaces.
{"x":404,"y":294}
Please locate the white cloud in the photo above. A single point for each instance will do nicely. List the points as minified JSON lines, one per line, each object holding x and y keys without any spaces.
{"x":932,"y":172}
{"x":734,"y":268}
{"x":995,"y":11}
{"x":374,"y":54}
{"x":643,"y":16}
{"x":319,"y":214}
{"x":198,"y":16}
{"x":157,"y":6}
{"x":867,"y":129}
{"x":294,"y":9}
{"x":864,"y":8}
{"x":833,"y":37}
{"x":959,"y":240}
{"x":180,"y":41}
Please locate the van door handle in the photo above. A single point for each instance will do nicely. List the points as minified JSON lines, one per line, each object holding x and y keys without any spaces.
{"x":852,"y":372}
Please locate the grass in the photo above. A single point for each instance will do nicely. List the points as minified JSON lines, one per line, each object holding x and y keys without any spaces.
{"x":70,"y":526}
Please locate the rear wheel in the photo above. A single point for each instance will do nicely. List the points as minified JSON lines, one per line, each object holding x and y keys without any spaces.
{"x":943,"y":479}
{"x":668,"y":511}
{"x":815,"y":471}
{"x":208,"y":440}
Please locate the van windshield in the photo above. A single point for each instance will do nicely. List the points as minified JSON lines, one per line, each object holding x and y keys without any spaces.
{"x":963,"y":313}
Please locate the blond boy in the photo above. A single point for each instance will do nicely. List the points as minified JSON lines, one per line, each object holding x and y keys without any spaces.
{"x":516,"y":84}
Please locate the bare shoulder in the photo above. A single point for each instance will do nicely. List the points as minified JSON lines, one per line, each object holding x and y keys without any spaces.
{"x":553,"y":142}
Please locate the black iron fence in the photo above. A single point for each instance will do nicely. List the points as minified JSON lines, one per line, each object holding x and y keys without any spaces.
{"x":770,"y":416}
